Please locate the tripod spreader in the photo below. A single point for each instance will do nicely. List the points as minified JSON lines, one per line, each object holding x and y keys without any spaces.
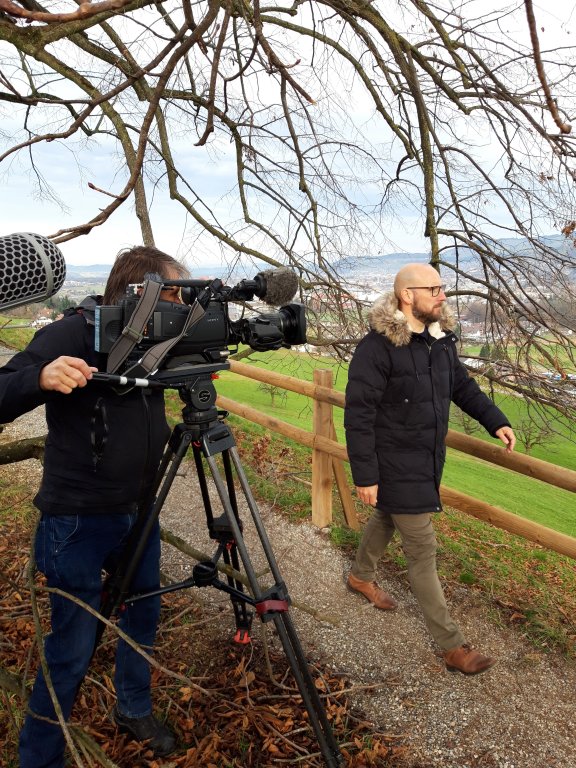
{"x":205,"y":574}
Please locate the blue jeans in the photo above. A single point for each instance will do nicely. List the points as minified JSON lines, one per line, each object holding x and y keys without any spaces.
{"x":72,"y":551}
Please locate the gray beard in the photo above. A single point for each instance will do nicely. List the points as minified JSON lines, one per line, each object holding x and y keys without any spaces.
{"x":425,"y":317}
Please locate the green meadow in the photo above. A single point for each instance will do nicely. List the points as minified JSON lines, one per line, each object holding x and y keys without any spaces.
{"x":537,"y":501}
{"x":14,"y":336}
{"x":533,"y":499}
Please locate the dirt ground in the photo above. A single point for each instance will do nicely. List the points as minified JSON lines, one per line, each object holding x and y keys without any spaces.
{"x":521,"y":714}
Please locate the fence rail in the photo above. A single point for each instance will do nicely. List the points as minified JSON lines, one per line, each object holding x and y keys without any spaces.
{"x":328,"y":456}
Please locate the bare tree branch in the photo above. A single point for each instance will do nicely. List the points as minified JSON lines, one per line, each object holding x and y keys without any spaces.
{"x":299,"y":134}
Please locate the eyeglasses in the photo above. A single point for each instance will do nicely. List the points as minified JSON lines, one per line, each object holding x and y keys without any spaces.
{"x":434,"y":289}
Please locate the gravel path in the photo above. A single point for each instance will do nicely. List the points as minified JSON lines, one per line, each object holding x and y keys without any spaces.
{"x":521,"y":714}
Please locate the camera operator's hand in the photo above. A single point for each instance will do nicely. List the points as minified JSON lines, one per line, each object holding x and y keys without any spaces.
{"x":65,"y":374}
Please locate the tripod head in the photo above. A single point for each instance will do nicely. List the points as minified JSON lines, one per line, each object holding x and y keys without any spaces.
{"x":195,"y":386}
{"x":199,"y":397}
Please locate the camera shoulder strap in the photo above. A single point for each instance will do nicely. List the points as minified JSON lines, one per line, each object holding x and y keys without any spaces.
{"x":152,"y":358}
{"x":133,"y":332}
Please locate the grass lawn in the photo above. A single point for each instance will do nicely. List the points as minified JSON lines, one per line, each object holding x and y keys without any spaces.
{"x":559,"y":448}
{"x":12,"y":336}
{"x":554,"y":349}
{"x":522,"y":495}
{"x":516,"y":493}
{"x":544,"y":504}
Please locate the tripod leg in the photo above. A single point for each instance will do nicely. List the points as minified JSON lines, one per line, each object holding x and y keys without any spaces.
{"x":316,"y":711}
{"x":253,"y":507}
{"x":117,"y":585}
{"x":242,"y":615}
{"x":282,"y":620}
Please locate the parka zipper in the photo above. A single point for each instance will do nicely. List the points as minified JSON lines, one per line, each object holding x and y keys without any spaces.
{"x":434,"y":451}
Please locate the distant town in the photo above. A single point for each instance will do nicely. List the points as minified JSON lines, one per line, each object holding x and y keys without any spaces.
{"x":367,"y":280}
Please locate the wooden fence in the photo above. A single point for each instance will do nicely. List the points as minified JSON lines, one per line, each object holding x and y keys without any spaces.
{"x":328,"y":456}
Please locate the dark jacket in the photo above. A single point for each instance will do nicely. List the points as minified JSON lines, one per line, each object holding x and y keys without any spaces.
{"x":397,"y":408}
{"x":103,"y":448}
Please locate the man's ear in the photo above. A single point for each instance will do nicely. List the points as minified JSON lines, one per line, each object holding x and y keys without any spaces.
{"x":406,"y":297}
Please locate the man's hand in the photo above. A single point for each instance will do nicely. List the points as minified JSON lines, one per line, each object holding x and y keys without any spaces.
{"x":506,"y":434}
{"x":65,"y":374}
{"x":368,"y":494}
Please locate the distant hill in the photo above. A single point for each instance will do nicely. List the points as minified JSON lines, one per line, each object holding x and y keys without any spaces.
{"x":88,"y":271}
{"x":389,"y":262}
{"x":392,"y":262}
{"x":100,"y":272}
{"x":357,"y":265}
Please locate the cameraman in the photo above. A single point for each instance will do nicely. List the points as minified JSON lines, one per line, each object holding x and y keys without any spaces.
{"x":101,"y":456}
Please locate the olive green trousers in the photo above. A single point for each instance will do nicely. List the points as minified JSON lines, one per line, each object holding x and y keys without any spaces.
{"x":419,"y":545}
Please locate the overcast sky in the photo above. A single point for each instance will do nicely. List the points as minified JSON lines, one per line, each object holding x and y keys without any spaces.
{"x":22,"y":210}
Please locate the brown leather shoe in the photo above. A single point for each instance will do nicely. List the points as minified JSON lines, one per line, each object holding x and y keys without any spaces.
{"x":466,"y":660}
{"x":372,"y":592}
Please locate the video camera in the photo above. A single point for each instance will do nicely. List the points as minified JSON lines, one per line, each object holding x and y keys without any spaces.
{"x":208,"y":339}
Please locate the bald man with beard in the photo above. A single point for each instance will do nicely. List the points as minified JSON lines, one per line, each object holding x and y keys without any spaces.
{"x":403,"y":376}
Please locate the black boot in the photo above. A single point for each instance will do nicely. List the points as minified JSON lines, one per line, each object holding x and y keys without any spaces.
{"x":160,"y":738}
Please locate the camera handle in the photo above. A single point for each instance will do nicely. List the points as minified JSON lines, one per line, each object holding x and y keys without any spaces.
{"x":209,"y":436}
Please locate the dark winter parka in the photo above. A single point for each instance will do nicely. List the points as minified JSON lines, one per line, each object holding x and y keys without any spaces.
{"x":103,"y":448}
{"x":397,"y":408}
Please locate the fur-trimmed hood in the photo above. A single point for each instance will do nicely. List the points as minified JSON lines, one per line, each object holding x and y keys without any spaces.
{"x":384,"y":317}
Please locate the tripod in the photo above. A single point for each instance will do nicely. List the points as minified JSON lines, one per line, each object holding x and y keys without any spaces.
{"x":204,"y":430}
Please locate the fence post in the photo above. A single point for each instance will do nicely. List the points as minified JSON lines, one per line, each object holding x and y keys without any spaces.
{"x":322,"y":424}
{"x":348,"y":506}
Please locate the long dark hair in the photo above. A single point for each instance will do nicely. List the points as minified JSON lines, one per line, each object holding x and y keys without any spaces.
{"x":132,"y":264}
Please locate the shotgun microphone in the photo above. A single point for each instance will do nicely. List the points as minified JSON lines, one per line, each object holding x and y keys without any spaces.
{"x":273,"y":286}
{"x":32,"y":269}
{"x":280,"y":285}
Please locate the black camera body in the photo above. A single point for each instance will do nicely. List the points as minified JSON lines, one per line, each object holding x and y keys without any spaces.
{"x":212,"y":338}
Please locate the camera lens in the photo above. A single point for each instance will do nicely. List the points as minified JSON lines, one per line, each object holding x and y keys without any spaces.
{"x":293,"y":323}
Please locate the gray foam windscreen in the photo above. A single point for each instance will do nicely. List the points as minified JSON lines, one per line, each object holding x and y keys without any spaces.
{"x":32,"y":268}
